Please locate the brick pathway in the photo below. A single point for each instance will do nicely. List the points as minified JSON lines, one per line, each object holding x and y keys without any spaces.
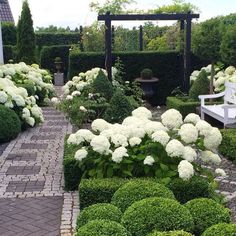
{"x":32,"y":200}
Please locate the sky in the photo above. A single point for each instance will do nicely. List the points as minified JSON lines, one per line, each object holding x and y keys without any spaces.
{"x":74,"y":13}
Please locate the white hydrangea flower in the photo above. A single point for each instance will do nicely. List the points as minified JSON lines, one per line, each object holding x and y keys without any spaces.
{"x":185,"y":170}
{"x":220,"y":172}
{"x":76,"y":93}
{"x":107,"y":133}
{"x":72,"y":139}
{"x":25,"y":113}
{"x":100,"y":144}
{"x":213,"y":139}
{"x":161,"y":137}
{"x":188,"y":133}
{"x":100,"y":125}
{"x":3,"y":97}
{"x":81,"y":154}
{"x":55,"y":100}
{"x":149,"y":160}
{"x":69,"y":97}
{"x":230,"y":70}
{"x":20,"y":102}
{"x":83,"y":109}
{"x":192,"y":118}
{"x":172,"y":119}
{"x":189,"y":154}
{"x":142,"y":112}
{"x":118,"y":154}
{"x":9,"y":104}
{"x":175,"y":148}
{"x":84,"y":135}
{"x":36,"y":111}
{"x":210,"y":157}
{"x":30,"y":121}
{"x":134,"y":121}
{"x":136,"y":132}
{"x":119,"y":140}
{"x":203,"y":127}
{"x":134,"y":141}
{"x":153,"y":126}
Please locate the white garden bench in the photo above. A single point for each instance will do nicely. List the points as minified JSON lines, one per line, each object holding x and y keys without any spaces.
{"x":225,"y":113}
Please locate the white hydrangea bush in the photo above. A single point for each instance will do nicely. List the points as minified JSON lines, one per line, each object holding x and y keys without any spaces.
{"x":142,"y":147}
{"x":17,"y":98}
{"x":23,"y":74}
{"x":221,"y":76}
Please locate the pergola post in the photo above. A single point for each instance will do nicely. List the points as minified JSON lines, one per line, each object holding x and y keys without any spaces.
{"x":113,"y":36}
{"x":108,"y":46}
{"x":187,"y":61}
{"x":140,"y":38}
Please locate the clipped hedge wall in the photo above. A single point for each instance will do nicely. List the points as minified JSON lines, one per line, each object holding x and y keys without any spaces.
{"x":9,"y":53}
{"x":48,"y":55}
{"x":167,"y":66}
{"x":182,"y":105}
{"x":8,"y":33}
{"x":228,"y":144}
{"x":50,"y":39}
{"x":92,"y":191}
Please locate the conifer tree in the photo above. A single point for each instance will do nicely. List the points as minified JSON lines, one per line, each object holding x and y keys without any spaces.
{"x":25,"y":36}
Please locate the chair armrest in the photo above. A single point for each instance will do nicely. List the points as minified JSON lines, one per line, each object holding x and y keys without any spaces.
{"x":203,"y":97}
{"x":228,"y":106}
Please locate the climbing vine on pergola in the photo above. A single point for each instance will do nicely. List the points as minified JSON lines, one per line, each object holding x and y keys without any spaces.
{"x":185,"y":26}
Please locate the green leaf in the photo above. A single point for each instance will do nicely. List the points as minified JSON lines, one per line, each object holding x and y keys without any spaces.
{"x":158,"y":173}
{"x":127,"y":161}
{"x":109,"y":172}
{"x":164,"y":167}
{"x":127,"y":172}
{"x":92,"y":172}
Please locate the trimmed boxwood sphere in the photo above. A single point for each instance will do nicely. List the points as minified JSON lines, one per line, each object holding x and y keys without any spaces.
{"x":136,"y":190}
{"x":221,"y":229}
{"x":161,"y":214}
{"x":206,"y":212}
{"x":170,"y":233}
{"x":186,"y":190}
{"x":102,"y":228}
{"x":100,"y":211}
{"x":10,"y":125}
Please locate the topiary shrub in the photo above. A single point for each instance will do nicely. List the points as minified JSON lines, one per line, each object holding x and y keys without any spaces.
{"x":100,"y":211}
{"x":200,"y":86}
{"x":206,"y":213}
{"x":155,"y":213}
{"x":146,"y":74}
{"x":103,"y":86}
{"x":92,"y":191}
{"x":10,"y":125}
{"x":119,"y":109}
{"x":170,"y":233}
{"x":102,"y":228}
{"x":196,"y":187}
{"x":222,"y":229}
{"x":136,"y":190}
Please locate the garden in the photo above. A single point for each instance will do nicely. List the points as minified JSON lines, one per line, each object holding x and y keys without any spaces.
{"x":136,"y":173}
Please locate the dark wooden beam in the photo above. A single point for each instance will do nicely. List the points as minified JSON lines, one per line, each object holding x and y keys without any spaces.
{"x":108,"y":47}
{"x":177,"y":16}
{"x":141,"y":38}
{"x":187,"y":63}
{"x":113,"y":36}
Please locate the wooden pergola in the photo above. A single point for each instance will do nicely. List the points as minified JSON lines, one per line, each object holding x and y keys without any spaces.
{"x":185,"y":26}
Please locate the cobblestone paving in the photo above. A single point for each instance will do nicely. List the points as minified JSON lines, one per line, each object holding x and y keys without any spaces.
{"x":32,"y":199}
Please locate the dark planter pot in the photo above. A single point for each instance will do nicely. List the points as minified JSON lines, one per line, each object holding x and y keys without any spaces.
{"x":149,"y":87}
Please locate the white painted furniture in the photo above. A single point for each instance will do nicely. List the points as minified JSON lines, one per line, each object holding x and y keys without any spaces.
{"x":225,"y":113}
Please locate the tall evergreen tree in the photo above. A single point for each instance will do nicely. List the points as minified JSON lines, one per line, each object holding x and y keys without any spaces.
{"x":25,"y":36}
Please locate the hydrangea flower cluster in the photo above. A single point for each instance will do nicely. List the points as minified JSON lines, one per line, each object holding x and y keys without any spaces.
{"x":229,"y":74}
{"x":24,"y":74}
{"x":17,"y":99}
{"x":183,"y":142}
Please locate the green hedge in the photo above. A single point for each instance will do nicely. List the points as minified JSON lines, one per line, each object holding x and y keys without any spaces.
{"x":182,"y":105}
{"x":228,"y":144}
{"x":167,"y":66}
{"x":52,"y":39}
{"x":48,"y":55}
{"x":72,"y":172}
{"x":9,"y":53}
{"x":8,"y":33}
{"x":92,"y":191}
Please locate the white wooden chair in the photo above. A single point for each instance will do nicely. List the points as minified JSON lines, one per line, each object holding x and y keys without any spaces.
{"x":225,"y":113}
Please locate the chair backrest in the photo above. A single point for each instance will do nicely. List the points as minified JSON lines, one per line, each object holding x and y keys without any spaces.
{"x":230,"y":92}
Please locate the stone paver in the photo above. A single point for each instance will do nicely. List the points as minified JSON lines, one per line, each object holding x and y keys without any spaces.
{"x":32,"y":199}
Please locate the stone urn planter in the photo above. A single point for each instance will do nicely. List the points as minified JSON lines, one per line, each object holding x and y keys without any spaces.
{"x":58,"y":76}
{"x":148,"y":84}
